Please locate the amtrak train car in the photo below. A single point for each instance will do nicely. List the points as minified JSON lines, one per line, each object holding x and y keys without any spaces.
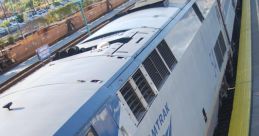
{"x":155,"y":70}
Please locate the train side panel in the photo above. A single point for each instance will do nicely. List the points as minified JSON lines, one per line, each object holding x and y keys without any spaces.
{"x":191,"y":93}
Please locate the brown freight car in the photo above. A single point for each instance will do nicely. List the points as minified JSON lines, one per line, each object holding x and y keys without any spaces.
{"x":25,"y":48}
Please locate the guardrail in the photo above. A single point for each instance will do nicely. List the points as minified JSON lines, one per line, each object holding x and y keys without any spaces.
{"x":240,"y":118}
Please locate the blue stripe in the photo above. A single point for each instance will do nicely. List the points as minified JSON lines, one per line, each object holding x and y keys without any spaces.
{"x":169,"y":129}
{"x":83,"y":115}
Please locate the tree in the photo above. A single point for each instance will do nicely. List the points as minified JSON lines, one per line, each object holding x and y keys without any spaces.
{"x":61,"y":13}
{"x":19,"y":18}
{"x":10,"y":40}
{"x":29,"y":4}
{"x":5,"y":24}
{"x":2,"y":43}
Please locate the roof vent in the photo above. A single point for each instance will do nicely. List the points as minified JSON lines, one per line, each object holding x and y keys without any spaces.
{"x":120,"y":57}
{"x":8,"y":106}
{"x":103,"y":45}
{"x":140,"y":40}
{"x":96,"y":81}
{"x":81,"y":81}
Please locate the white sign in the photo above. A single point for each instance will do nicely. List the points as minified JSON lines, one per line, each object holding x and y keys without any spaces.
{"x":43,"y":52}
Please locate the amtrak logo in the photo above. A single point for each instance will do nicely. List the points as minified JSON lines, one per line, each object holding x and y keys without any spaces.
{"x":169,"y":130}
{"x":160,"y":122}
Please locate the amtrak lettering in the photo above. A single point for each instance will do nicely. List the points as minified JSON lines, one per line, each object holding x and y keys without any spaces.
{"x":160,"y":120}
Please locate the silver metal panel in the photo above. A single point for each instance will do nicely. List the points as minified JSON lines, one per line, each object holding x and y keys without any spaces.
{"x":51,"y":95}
{"x":183,"y":33}
{"x":137,"y":42}
{"x":154,"y":18}
{"x":142,"y":3}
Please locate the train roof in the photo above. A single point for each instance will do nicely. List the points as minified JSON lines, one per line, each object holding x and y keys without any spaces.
{"x":153,"y":18}
{"x":46,"y":99}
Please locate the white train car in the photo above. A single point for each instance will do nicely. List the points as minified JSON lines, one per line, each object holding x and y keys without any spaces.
{"x":156,"y":71}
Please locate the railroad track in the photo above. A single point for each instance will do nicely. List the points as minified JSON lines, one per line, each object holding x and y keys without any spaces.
{"x":21,"y":75}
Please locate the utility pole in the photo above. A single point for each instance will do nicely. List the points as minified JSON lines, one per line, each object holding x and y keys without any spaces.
{"x":81,"y":2}
{"x":109,"y":5}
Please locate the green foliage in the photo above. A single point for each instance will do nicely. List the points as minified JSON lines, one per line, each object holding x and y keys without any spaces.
{"x":10,"y":40}
{"x":55,"y":3}
{"x":58,"y":14}
{"x":61,"y":13}
{"x":38,"y":2}
{"x":29,"y":3}
{"x":89,"y":2}
{"x":5,"y":23}
{"x":20,"y":18}
{"x":2,"y":43}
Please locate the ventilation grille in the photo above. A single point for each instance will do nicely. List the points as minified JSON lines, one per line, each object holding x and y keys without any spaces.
{"x":133,"y":101}
{"x":218,"y":55}
{"x":220,"y":50}
{"x":167,"y":54}
{"x":222,"y":44}
{"x":143,"y":86}
{"x":156,"y":69}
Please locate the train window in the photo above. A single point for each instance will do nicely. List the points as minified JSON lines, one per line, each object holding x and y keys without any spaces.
{"x":220,"y":50}
{"x":144,"y":87}
{"x":91,"y":132}
{"x":222,"y":44}
{"x":183,"y":33}
{"x":167,"y":54}
{"x":156,"y":69}
{"x":133,"y":101}
{"x":218,"y":54}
